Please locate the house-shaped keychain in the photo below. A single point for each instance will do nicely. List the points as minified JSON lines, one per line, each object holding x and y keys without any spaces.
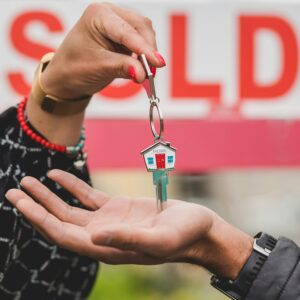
{"x":160,"y":156}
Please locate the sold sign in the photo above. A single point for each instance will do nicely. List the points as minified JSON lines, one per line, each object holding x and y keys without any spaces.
{"x":232,"y":74}
{"x":179,"y":87}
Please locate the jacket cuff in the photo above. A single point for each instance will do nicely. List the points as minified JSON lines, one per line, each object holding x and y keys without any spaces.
{"x":276,"y":272}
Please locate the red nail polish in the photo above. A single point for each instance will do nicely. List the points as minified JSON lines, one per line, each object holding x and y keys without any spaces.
{"x":131,"y":72}
{"x":153,"y":71}
{"x":160,"y":58}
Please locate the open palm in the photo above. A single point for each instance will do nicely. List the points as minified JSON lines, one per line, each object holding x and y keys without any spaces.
{"x":114,"y":230}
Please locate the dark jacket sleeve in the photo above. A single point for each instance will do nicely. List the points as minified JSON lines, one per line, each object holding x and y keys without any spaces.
{"x":279,"y":278}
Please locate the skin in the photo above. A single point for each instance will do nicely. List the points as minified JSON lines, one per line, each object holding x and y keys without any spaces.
{"x":101,"y":47}
{"x":129,"y":230}
{"x":117,"y":230}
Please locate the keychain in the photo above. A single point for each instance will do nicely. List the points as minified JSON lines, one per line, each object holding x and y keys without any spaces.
{"x":159,"y":157}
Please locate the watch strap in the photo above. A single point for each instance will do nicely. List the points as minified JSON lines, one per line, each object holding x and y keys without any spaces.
{"x":238,"y":288}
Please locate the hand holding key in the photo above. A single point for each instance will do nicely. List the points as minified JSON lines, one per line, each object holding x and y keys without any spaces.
{"x":101,"y":47}
{"x":160,"y":157}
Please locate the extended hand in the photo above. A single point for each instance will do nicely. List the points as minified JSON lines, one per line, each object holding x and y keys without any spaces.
{"x":129,"y":230}
{"x":125,"y":230}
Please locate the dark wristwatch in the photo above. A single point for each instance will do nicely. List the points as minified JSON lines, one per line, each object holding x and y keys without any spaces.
{"x":238,"y":289}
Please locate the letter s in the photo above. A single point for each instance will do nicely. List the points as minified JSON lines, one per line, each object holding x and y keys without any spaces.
{"x":24,"y":45}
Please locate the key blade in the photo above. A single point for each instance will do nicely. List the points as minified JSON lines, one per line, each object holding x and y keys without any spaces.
{"x":160,"y":206}
{"x":160,"y":179}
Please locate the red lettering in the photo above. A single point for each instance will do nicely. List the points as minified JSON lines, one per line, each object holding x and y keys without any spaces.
{"x":249,"y":87}
{"x":181,"y":87}
{"x":28,"y":47}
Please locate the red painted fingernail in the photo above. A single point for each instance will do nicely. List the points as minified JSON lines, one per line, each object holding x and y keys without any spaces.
{"x":153,"y":71}
{"x":160,"y":58}
{"x":131,"y":72}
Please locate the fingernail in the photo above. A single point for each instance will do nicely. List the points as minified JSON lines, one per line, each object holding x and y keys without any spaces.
{"x":7,"y":195}
{"x":131,"y":72}
{"x":27,"y":181}
{"x":49,"y":173}
{"x":22,"y":181}
{"x":153,"y":71}
{"x":160,"y":58}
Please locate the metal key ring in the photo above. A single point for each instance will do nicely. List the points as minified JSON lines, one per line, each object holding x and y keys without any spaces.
{"x":154,"y":104}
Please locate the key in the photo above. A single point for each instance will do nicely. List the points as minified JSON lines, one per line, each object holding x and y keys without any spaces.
{"x":160,"y":159}
{"x":161,"y":180}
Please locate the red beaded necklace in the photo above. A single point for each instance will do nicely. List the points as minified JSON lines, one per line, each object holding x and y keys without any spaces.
{"x":42,"y":141}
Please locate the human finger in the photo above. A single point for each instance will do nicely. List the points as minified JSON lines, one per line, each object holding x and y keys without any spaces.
{"x":118,"y":30}
{"x":14,"y":195}
{"x":143,"y":26}
{"x":141,"y":23}
{"x":159,"y":244}
{"x":117,"y":65}
{"x":54,"y":204}
{"x":69,"y":236}
{"x":61,"y":233}
{"x":88,"y":196}
{"x":73,"y":237}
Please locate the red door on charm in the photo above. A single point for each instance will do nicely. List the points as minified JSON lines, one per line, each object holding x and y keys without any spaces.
{"x":160,"y":161}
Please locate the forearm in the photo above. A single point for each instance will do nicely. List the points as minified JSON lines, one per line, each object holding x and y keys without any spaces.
{"x":58,"y":129}
{"x":62,"y":130}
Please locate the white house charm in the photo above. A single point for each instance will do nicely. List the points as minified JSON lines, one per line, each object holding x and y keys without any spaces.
{"x":160,"y":159}
{"x":160,"y":156}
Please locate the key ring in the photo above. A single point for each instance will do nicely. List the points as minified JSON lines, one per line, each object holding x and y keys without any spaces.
{"x":148,"y":84}
{"x":154,"y":105}
{"x":154,"y":101}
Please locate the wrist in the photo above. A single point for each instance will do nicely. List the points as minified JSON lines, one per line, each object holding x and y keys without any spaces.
{"x":48,"y":124}
{"x":223,"y":251}
{"x":47,"y":97}
{"x":57,"y":81}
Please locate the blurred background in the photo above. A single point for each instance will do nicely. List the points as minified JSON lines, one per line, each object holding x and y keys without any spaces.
{"x":231,"y":99}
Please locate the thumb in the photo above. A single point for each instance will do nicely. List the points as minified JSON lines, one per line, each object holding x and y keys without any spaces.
{"x":141,"y":240}
{"x":123,"y":66}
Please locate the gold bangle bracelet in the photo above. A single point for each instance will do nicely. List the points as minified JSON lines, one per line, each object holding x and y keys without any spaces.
{"x":50,"y":103}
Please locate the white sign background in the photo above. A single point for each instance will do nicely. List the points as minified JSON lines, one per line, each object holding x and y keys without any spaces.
{"x":213,"y":38}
